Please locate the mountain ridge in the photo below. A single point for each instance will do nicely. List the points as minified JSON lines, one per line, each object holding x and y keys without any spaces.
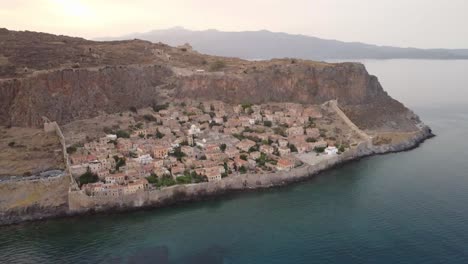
{"x":248,"y":44}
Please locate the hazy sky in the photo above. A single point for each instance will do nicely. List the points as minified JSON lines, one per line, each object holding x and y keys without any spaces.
{"x":415,"y":23}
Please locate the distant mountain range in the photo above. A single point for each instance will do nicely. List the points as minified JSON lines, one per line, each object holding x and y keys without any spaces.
{"x":266,"y":45}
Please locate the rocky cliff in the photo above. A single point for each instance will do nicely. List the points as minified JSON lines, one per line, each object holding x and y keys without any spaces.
{"x":113,"y":76}
{"x":70,"y":94}
{"x":358,"y":93}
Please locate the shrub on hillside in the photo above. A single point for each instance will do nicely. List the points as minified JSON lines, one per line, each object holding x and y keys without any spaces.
{"x":217,"y":65}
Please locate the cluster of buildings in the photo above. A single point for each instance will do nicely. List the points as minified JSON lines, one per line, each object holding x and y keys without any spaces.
{"x":209,"y":139}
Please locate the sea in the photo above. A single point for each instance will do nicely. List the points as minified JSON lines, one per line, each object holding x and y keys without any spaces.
{"x":408,"y":207}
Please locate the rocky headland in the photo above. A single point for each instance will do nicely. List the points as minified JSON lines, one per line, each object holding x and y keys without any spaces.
{"x":67,"y":79}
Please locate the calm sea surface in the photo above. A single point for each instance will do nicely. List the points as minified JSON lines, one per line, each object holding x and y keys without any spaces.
{"x":408,"y":207}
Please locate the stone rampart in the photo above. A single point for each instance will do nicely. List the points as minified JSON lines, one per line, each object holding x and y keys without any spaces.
{"x":54,"y":127}
{"x":79,"y":202}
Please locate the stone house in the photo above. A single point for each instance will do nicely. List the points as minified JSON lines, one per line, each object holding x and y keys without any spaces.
{"x":318,"y":144}
{"x":267,"y":149}
{"x":231,"y":152}
{"x":95,"y":167}
{"x":240,"y":162}
{"x":282,"y":142}
{"x":255,"y":155}
{"x":103,"y":174}
{"x":213,"y":174}
{"x":135,"y":186}
{"x":187,"y":150}
{"x":178,"y":170}
{"x":284,"y":164}
{"x":216,"y":155}
{"x":245,"y":144}
{"x":160,"y":152}
{"x":284,"y":151}
{"x":116,"y":179}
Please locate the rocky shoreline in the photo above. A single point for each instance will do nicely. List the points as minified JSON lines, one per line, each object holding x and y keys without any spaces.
{"x":80,"y":205}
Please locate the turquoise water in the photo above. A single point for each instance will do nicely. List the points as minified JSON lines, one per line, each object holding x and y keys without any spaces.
{"x":408,"y":207}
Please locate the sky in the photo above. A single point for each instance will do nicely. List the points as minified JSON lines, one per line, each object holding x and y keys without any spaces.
{"x":404,"y":23}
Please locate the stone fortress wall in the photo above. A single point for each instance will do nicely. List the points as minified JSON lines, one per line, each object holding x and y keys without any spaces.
{"x":39,"y":196}
{"x":79,"y":202}
{"x":53,"y":127}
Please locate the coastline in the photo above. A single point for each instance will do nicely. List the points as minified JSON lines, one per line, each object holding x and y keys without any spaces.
{"x":80,"y":204}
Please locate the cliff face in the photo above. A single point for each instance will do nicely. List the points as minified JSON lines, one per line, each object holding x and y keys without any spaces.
{"x":71,"y":94}
{"x":358,"y":93}
{"x":142,"y":73}
{"x":67,"y":95}
{"x":297,"y":82}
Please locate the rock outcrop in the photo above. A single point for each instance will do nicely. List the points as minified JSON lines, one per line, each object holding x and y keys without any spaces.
{"x":71,"y":94}
{"x":66,"y":79}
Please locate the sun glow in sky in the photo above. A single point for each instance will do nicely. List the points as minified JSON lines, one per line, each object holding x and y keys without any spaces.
{"x":74,"y":8}
{"x":414,"y":23}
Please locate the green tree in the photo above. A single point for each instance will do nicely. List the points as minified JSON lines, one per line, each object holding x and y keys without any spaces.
{"x":319,"y":149}
{"x":292,"y":147}
{"x":133,"y":109}
{"x":159,"y":134}
{"x":262,"y":160}
{"x":71,"y":149}
{"x":108,"y":130}
{"x":150,"y":118}
{"x":242,"y":170}
{"x":253,"y":149}
{"x":139,"y":125}
{"x":246,"y":105}
{"x":217,"y":65}
{"x":119,"y":162}
{"x":222,"y":147}
{"x":158,"y":108}
{"x":88,"y":177}
{"x":341,"y":148}
{"x":166,"y":180}
{"x":152,"y":179}
{"x":178,"y":153}
{"x":122,"y":134}
{"x":186,"y":179}
{"x":280,"y":131}
{"x":267,"y":123}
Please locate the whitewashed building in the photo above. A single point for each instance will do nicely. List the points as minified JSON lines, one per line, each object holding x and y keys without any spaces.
{"x":331,"y":150}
